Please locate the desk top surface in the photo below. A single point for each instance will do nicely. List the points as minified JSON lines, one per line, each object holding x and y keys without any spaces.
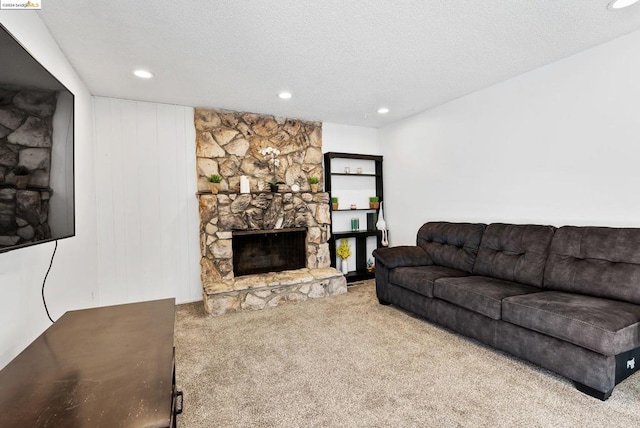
{"x":102,"y":367}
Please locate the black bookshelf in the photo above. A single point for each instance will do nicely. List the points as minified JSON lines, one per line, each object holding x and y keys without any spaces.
{"x":360,"y":272}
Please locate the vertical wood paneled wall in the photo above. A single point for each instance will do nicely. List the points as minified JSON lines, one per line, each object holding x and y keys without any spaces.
{"x":148,"y":238}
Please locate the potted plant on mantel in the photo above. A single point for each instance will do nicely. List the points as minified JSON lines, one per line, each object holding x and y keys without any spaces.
{"x":214,"y":183}
{"x":271,"y":154}
{"x":374,"y":202}
{"x":313,"y":183}
{"x":334,"y":203}
{"x":273,"y":186}
{"x":21,"y":173}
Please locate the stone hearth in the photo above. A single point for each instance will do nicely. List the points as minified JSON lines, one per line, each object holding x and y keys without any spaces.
{"x":275,"y":289}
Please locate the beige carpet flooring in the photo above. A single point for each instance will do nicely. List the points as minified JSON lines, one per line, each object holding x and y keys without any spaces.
{"x":346,"y":361}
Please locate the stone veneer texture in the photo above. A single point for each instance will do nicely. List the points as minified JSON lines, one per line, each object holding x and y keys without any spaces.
{"x":229,"y":144}
{"x":26,"y":128}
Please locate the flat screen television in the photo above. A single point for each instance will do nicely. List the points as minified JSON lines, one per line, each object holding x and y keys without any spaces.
{"x":36,"y":151}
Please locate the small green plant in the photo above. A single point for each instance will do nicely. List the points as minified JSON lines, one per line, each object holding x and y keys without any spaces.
{"x":334,"y":200}
{"x":214,"y":178}
{"x":374,"y":199}
{"x":344,"y":250}
{"x":21,"y":170}
{"x":313,"y":180}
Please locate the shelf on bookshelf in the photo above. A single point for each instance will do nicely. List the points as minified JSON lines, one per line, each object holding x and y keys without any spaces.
{"x":359,"y":275}
{"x":367,"y":174}
{"x":355,"y":209}
{"x":354,"y":233}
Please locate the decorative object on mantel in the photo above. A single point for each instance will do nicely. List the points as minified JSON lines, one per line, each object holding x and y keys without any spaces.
{"x":344,"y":252}
{"x":313,"y":183}
{"x":381,"y":225}
{"x":347,"y":170}
{"x":334,"y":203}
{"x":21,"y":173}
{"x":353,"y":207}
{"x":359,"y":171}
{"x":374,"y":203}
{"x":244,"y":184}
{"x":272,"y":158}
{"x":273,"y":186}
{"x":214,"y":183}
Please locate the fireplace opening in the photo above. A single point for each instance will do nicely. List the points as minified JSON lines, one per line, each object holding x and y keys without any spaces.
{"x":262,"y":251}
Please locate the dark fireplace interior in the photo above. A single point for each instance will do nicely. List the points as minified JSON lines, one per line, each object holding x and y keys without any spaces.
{"x":262,"y":251}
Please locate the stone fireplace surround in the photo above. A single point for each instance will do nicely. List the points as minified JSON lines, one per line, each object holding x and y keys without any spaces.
{"x":229,"y":144}
{"x":223,"y":213}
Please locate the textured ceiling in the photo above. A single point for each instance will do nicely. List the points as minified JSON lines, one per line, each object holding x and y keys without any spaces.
{"x":340,"y":59}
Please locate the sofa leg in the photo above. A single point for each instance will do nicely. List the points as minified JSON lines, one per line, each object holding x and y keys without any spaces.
{"x":384,"y":302}
{"x":593,"y":392}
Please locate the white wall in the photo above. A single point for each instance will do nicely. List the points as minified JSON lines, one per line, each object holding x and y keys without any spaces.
{"x":72,"y":283}
{"x":558,"y":145}
{"x":349,"y":139}
{"x":148,"y":222}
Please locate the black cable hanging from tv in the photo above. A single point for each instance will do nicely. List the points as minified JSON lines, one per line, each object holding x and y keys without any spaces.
{"x":44,"y":301}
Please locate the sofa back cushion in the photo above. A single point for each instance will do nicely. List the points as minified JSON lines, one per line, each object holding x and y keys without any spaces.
{"x":514,"y":252}
{"x":597,"y":261}
{"x":452,"y":245}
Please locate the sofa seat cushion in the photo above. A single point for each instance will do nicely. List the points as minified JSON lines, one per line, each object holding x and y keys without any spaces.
{"x":420,"y":278}
{"x":608,"y":327}
{"x":479,"y":294}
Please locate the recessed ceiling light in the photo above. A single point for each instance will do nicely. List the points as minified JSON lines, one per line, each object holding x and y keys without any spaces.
{"x":383,"y":110}
{"x":621,"y":4}
{"x":285,"y":95}
{"x":143,"y":74}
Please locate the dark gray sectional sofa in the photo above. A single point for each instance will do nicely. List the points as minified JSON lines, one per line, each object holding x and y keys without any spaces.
{"x":567,"y":299}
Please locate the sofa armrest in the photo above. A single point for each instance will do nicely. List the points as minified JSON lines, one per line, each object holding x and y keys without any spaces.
{"x":402,"y":256}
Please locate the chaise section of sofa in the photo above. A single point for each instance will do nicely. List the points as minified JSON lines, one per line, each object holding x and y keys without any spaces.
{"x":591,"y":298}
{"x":566,"y":299}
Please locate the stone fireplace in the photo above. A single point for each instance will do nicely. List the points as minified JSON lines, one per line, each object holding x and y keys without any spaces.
{"x":232,"y":145}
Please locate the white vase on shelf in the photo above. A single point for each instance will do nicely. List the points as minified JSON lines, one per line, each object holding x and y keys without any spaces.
{"x":344,"y":266}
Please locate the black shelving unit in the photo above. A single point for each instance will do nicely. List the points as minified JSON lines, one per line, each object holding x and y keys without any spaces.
{"x":360,"y":273}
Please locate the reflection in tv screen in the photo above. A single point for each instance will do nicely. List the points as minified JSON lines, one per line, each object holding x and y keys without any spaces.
{"x":36,"y":151}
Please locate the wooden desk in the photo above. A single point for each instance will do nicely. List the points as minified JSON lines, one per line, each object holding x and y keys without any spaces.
{"x":102,"y":367}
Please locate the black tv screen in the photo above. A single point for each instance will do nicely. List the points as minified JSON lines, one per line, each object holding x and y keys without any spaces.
{"x":36,"y":151}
